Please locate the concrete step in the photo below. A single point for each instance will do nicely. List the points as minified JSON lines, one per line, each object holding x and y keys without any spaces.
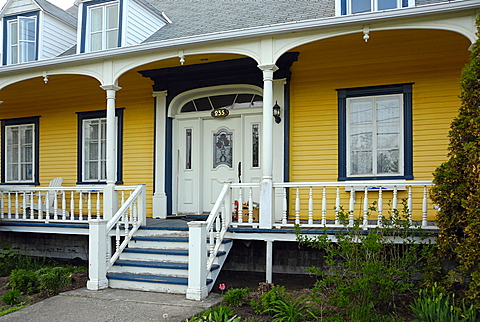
{"x":146,"y":282}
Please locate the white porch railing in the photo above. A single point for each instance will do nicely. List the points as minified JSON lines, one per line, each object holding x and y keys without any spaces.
{"x":77,"y":204}
{"x":123,"y":225}
{"x":320,"y":204}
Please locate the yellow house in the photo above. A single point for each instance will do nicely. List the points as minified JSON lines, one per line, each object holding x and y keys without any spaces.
{"x":257,"y":118}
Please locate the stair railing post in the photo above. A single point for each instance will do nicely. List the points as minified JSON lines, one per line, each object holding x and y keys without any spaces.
{"x":97,"y":255}
{"x":197,"y":261}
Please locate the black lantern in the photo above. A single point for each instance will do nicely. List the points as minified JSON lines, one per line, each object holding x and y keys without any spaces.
{"x":276,"y":113}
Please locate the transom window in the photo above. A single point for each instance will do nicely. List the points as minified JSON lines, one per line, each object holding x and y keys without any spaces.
{"x":92,"y":146}
{"x":348,"y":7}
{"x":20,"y":150}
{"x":229,"y":101}
{"x":103,"y":26}
{"x":375,"y":139}
{"x":21,"y":39}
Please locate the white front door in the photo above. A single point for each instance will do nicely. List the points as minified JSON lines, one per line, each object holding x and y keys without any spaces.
{"x":211,"y":152}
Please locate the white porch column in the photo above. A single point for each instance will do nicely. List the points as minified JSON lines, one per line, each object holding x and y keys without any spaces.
{"x":109,"y":198}
{"x":97,"y":255}
{"x":197,"y":261}
{"x":160,"y":197}
{"x":266,"y":188}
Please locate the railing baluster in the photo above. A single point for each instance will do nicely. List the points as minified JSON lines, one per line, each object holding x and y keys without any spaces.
{"x":310,"y":207}
{"x":250,"y":205}
{"x":2,"y":210}
{"x":32,"y":203}
{"x":17,"y":213}
{"x":47,"y":206}
{"x":9,"y":205}
{"x":80,"y":206}
{"x":395,"y":203}
{"x":380,"y":207}
{"x":410,"y":205}
{"x":127,"y":215}
{"x":39,"y":203}
{"x":24,"y":205}
{"x":64,"y":205}
{"x":297,"y":207}
{"x":351,"y":207}
{"x":117,"y":236}
{"x":365,"y":207}
{"x":424,"y":207}
{"x":89,"y":205}
{"x":337,"y":206}
{"x":240,"y":206}
{"x":324,"y":206}
{"x":284,"y":207}
{"x":98,"y":204}
{"x":55,"y":205}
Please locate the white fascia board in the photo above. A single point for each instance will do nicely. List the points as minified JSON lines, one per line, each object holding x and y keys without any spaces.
{"x":251,"y":32}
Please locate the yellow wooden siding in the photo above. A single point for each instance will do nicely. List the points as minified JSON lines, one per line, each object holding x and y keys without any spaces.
{"x":432,"y":60}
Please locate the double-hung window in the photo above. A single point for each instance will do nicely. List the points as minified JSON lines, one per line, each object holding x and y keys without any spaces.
{"x":20,"y":150}
{"x":103,"y":26}
{"x":21,"y":39}
{"x":92,"y":146}
{"x":348,"y":7}
{"x":375,"y":132}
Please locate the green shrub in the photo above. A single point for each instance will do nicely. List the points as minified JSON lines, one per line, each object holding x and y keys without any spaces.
{"x":366,"y":272}
{"x":11,"y":297}
{"x":236,"y":297}
{"x":433,"y":305}
{"x":52,"y":280}
{"x":25,"y":281}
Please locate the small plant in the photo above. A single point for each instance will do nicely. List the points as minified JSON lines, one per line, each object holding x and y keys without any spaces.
{"x":220,"y":313}
{"x":25,"y":281}
{"x":433,"y":305}
{"x":291,"y":310}
{"x":236,"y":297}
{"x":11,"y":297}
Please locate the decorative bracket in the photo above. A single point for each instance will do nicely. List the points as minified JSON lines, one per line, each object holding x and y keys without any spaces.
{"x":366,"y":33}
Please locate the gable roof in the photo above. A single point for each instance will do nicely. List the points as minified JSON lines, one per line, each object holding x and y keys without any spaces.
{"x":57,"y":12}
{"x":196,"y":17}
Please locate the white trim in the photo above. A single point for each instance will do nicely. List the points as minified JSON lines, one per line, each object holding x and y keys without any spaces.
{"x":159,"y":196}
{"x":276,"y":29}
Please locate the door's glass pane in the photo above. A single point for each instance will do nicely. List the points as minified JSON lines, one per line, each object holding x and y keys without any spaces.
{"x":225,"y":101}
{"x":223,"y":148}
{"x":188,"y":149}
{"x":255,"y":145}
{"x":387,"y":4}
{"x":359,"y":6}
{"x":203,"y":104}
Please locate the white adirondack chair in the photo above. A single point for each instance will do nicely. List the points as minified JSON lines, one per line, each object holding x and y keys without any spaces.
{"x":48,"y":199}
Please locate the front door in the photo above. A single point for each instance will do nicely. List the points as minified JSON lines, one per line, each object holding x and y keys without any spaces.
{"x":211,"y":152}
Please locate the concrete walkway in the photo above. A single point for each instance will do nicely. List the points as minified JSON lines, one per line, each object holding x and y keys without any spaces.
{"x":112,"y":305}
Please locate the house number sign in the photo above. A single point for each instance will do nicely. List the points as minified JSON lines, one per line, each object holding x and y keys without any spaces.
{"x":220,"y":113}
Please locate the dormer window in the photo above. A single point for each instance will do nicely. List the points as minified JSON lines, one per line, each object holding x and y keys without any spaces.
{"x":21,"y":44}
{"x":102,"y":26}
{"x":348,"y":7}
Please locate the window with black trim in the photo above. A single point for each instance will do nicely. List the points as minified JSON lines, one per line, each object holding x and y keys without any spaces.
{"x":101,"y":25}
{"x":92,"y":146}
{"x":20,"y":147}
{"x":375,"y":132}
{"x":20,"y":34}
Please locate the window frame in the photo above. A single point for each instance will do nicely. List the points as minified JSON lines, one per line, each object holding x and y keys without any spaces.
{"x":7,"y":45}
{"x":92,"y":115}
{"x":407,"y":147}
{"x":6,"y":123}
{"x":343,"y":7}
{"x":85,"y":45}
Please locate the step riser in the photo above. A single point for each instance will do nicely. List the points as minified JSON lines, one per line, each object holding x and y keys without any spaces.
{"x":155,"y":257}
{"x":160,"y":233}
{"x":149,"y":270}
{"x":145,"y":286}
{"x":157,"y":244}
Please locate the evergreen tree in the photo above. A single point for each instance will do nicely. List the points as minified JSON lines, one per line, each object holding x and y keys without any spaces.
{"x":457,"y":183}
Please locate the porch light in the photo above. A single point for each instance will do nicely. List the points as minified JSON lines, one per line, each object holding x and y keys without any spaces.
{"x":276,"y":113}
